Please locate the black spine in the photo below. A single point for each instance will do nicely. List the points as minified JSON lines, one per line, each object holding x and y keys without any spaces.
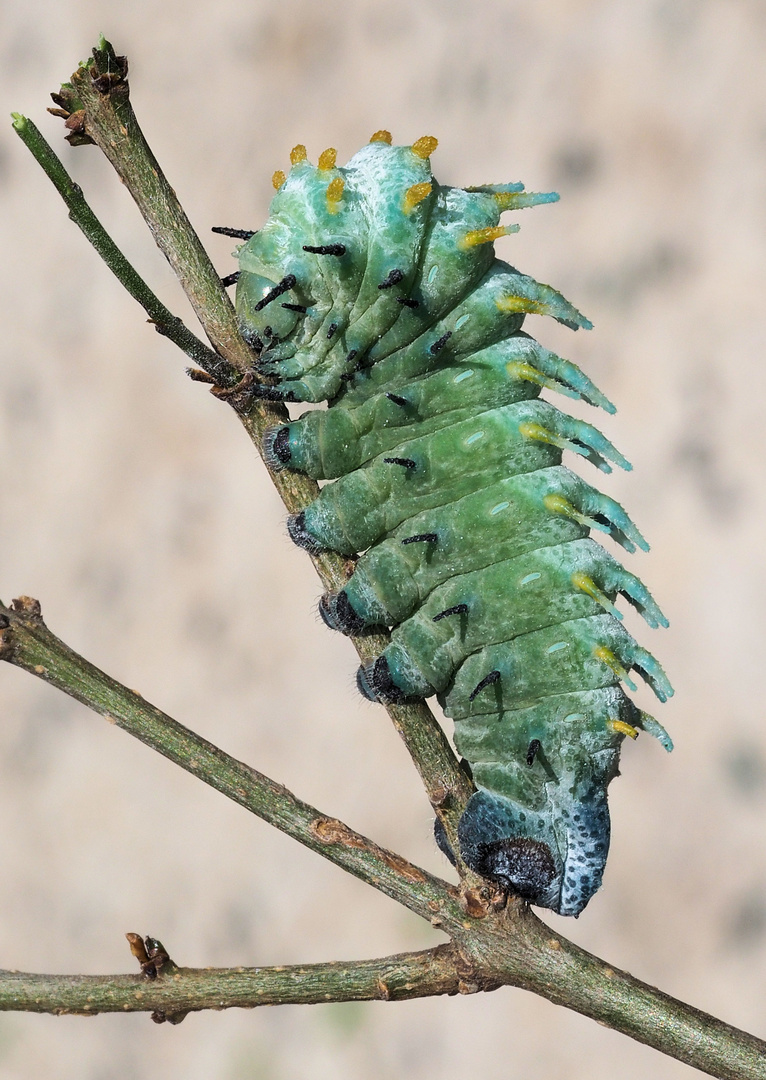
{"x":284,"y":286}
{"x":439,"y":345}
{"x":240,"y":234}
{"x":326,"y":249}
{"x":488,"y":680}
{"x":457,"y":609}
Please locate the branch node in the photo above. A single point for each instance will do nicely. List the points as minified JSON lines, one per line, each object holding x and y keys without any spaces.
{"x":441,"y":797}
{"x":152,"y":956}
{"x":198,"y":375}
{"x":109,"y":72}
{"x":160,"y":1017}
{"x":476,"y":900}
{"x":27,"y":605}
{"x":240,"y":396}
{"x":332,"y":831}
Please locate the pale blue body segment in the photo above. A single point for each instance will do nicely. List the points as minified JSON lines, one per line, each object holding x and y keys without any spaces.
{"x":377,"y":289}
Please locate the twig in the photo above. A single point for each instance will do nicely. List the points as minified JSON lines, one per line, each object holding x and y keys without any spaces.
{"x":26,"y":642}
{"x":100,"y":90}
{"x":172,"y":996}
{"x":165,"y":322}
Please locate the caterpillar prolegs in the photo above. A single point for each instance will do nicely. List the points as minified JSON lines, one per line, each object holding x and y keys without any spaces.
{"x":377,"y":289}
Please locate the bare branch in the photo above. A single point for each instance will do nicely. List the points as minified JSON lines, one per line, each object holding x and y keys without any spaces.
{"x":176,"y":991}
{"x":530,"y":955}
{"x":494,"y":947}
{"x":26,"y":642}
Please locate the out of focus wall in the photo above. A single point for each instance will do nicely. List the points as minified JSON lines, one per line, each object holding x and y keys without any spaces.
{"x":134,"y":507}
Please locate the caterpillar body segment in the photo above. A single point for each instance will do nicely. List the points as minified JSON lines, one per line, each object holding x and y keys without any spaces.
{"x":502,"y":601}
{"x":365,"y":505}
{"x":376,"y":289}
{"x":327,"y":444}
{"x":518,"y":514}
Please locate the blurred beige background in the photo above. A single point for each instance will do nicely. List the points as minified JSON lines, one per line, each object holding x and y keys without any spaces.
{"x":135,"y":509}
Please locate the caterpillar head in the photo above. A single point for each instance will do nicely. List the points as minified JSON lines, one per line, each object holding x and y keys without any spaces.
{"x":266,"y":317}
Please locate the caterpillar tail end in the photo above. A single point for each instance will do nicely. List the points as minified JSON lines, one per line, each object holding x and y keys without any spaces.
{"x":375,"y":683}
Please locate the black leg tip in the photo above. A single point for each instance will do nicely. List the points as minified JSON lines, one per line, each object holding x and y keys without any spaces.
{"x":376,"y":684}
{"x":296,"y":528}
{"x":276,"y":446}
{"x":338,"y":614}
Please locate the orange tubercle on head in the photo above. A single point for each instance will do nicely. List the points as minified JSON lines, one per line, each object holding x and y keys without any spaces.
{"x":415,"y":195}
{"x":334,"y":194}
{"x":424,"y":146}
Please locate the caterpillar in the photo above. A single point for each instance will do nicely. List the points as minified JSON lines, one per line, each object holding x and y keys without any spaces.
{"x":377,"y":289}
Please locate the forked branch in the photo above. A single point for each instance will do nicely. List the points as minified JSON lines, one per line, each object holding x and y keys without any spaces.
{"x":491,"y":945}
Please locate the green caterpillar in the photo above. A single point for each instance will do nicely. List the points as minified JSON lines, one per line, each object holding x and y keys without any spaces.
{"x":377,"y":289}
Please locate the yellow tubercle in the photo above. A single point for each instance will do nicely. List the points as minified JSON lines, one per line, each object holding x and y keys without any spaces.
{"x":278,"y":179}
{"x":587,"y":585}
{"x":621,"y":728}
{"x":382,"y":136}
{"x":327,"y":159}
{"x":485,"y":236}
{"x":520,"y":200}
{"x":606,"y":656}
{"x":334,"y":194}
{"x":557,"y":504}
{"x":298,"y":154}
{"x":424,"y":146}
{"x":540,"y":434}
{"x":517,"y":369}
{"x":415,"y":195}
{"x":507,"y":200}
{"x":518,"y":305}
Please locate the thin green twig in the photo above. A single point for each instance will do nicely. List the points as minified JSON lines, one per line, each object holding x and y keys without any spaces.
{"x":165,"y":322}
